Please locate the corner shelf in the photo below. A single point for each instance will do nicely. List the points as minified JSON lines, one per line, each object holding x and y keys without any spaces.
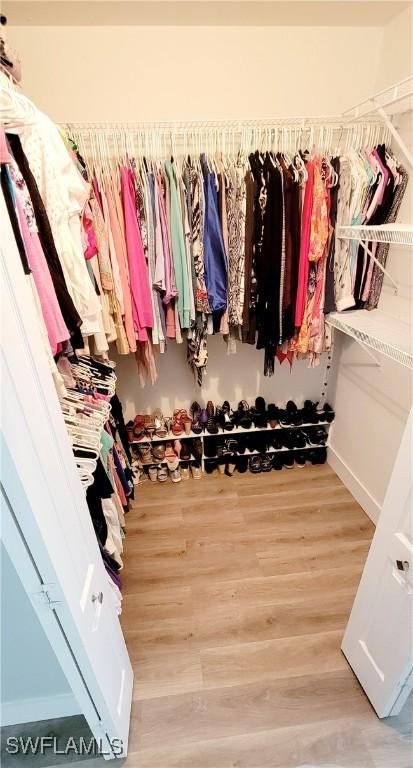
{"x":247,"y":452}
{"x":377,"y":331}
{"x":225,"y":433}
{"x":393,"y":234}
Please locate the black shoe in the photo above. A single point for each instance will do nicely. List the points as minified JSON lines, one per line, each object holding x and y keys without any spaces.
{"x":242,"y":443}
{"x":326,"y":413}
{"x":210,"y":409}
{"x":300,"y":459}
{"x":288,"y":459}
{"x":242,"y":464}
{"x":259,"y":442}
{"x":300,"y":439}
{"x":272,"y":415}
{"x":287,"y":436}
{"x":259,"y":414}
{"x":186,"y":447}
{"x":210,"y":448}
{"x":291,"y":416}
{"x":212,"y":426}
{"x":319,"y":455}
{"x":277,"y":461}
{"x":219,"y":448}
{"x":210,"y":465}
{"x":230,"y":466}
{"x":255,"y":464}
{"x":242,"y":415}
{"x":316,"y":436}
{"x":197,"y":448}
{"x":276,"y":440}
{"x":309,"y":412}
{"x":232,"y":445}
{"x":227,"y":418}
{"x":266,"y":463}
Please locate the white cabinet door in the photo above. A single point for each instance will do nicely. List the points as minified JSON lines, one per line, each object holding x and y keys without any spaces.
{"x":378,"y":640}
{"x":45,"y":494}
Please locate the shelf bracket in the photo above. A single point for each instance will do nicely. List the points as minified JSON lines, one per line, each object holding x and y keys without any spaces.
{"x":394,"y":132}
{"x":377,"y":360}
{"x":367,"y":250}
{"x":369,"y":352}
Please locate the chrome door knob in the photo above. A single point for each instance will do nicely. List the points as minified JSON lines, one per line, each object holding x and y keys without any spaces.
{"x":97,"y":597}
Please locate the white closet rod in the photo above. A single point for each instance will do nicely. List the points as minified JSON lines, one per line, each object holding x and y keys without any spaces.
{"x":284,"y":134}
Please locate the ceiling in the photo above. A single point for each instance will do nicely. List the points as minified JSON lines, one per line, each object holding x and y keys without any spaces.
{"x":202,"y":12}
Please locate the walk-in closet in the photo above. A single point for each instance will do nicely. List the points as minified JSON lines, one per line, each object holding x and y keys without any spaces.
{"x":207,"y":355}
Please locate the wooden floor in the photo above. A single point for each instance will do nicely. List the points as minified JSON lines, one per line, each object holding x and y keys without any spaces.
{"x":236,"y":594}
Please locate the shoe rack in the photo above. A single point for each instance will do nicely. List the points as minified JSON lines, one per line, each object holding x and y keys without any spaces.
{"x":231,"y":433}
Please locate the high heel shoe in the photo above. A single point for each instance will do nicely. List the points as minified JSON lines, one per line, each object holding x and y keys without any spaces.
{"x":227,"y":420}
{"x":195,"y":410}
{"x":160,"y":427}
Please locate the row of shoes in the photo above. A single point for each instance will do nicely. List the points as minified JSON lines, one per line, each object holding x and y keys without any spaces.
{"x":261,"y":442}
{"x":214,"y":418}
{"x":170,"y":452}
{"x":266,"y":462}
{"x":181,"y":471}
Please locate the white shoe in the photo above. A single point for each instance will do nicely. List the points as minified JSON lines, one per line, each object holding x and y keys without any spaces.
{"x":196,"y":471}
{"x":175,"y":476}
{"x":185,"y":474}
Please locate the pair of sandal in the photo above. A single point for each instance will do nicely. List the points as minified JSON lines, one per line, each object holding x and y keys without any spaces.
{"x":157,"y":474}
{"x":181,"y":422}
{"x":193,"y":469}
{"x":160,"y":474}
{"x":260,"y":463}
{"x":145,"y":425}
{"x":149,"y":453}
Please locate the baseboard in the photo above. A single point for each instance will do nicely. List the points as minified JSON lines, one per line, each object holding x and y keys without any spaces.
{"x":370,"y":505}
{"x":42,"y":708}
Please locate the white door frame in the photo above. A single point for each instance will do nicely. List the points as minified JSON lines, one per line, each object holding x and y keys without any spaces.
{"x":43,"y":501}
{"x":387,"y":688}
{"x":41,"y":599}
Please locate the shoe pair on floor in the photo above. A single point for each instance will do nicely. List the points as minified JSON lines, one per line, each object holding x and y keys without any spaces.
{"x":177,"y":472}
{"x":310,"y":413}
{"x":226,"y":465}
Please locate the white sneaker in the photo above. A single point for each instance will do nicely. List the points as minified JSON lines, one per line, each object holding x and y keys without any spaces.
{"x":175,"y":475}
{"x":196,"y":471}
{"x":185,"y":474}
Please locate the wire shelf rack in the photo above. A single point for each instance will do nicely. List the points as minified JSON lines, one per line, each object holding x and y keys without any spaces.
{"x":394,"y":234}
{"x":377,"y":331}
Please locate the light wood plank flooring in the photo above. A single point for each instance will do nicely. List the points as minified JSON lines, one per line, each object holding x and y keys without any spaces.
{"x":236,"y":594}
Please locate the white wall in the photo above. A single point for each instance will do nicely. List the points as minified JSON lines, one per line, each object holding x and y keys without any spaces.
{"x":372,"y":404}
{"x":184,"y":73}
{"x":396,"y":56}
{"x":33,"y":686}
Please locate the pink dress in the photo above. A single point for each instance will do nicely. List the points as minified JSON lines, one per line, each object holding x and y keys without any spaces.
{"x":304,"y":263}
{"x":52,"y":315}
{"x":120,"y":248}
{"x":138,"y":271}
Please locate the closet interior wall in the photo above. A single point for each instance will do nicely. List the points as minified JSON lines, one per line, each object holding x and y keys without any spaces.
{"x":280,"y":79}
{"x":185,"y":81}
{"x":372,"y":404}
{"x":182,"y":73}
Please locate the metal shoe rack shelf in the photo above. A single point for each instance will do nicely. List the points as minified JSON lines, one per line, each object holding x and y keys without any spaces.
{"x":230,"y":433}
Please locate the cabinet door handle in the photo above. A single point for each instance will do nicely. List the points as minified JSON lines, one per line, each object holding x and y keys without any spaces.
{"x":97,"y":597}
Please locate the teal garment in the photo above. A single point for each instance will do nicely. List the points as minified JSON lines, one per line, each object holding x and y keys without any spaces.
{"x":178,"y":251}
{"x":106,"y":443}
